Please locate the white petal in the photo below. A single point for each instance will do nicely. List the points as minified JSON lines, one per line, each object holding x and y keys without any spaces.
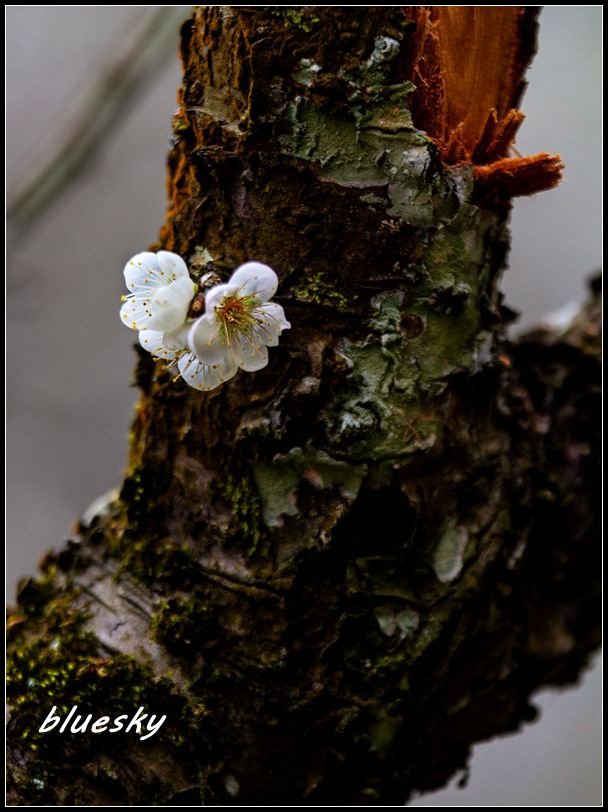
{"x":152,"y":341}
{"x":205,"y":341}
{"x":142,"y":272}
{"x":271,"y":323}
{"x":171,"y":266}
{"x":216,"y":295}
{"x":177,"y":339}
{"x":206,"y":376}
{"x":248,"y":355}
{"x":133,"y":313}
{"x":255,"y":279}
{"x":169,"y":306}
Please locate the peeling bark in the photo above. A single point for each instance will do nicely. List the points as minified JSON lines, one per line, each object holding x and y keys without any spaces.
{"x":337,"y":574}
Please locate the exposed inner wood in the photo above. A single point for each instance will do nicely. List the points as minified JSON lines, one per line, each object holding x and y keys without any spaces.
{"x":520,"y":176}
{"x":468,"y":64}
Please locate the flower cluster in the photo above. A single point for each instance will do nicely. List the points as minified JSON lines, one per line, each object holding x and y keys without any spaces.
{"x":236,"y":329}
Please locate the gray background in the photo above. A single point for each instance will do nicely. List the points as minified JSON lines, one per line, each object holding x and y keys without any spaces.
{"x":70,"y":360}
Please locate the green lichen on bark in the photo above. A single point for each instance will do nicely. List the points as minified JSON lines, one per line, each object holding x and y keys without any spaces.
{"x":323,"y":569}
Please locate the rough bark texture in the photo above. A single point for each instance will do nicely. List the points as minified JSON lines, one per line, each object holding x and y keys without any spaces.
{"x":337,"y":574}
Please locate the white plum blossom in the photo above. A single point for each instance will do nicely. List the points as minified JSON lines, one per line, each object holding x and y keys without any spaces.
{"x":161,"y":292}
{"x":238,"y":326}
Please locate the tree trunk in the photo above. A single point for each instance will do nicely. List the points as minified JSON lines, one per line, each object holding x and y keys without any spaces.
{"x":337,"y":574}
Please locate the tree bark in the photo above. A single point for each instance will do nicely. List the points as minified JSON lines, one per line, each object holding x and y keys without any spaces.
{"x":337,"y":574}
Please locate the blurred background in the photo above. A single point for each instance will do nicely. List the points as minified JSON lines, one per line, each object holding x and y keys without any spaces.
{"x":100,"y":82}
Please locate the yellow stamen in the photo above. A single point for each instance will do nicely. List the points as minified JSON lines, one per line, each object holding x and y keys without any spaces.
{"x":235,"y":315}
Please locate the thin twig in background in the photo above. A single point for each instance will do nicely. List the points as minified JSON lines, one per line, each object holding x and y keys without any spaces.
{"x":114,"y":91}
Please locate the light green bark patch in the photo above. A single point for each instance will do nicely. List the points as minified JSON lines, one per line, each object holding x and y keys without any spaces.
{"x":278,"y":483}
{"x":307,"y":72}
{"x":327,"y":472}
{"x":449,"y":555}
{"x":397,"y":623}
{"x":373,"y":71}
{"x":395,"y":370}
{"x":378,"y":149}
{"x":277,"y":486}
{"x":380,"y":416}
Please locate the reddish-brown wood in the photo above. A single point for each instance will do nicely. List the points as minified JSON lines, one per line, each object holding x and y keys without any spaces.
{"x":468,"y":65}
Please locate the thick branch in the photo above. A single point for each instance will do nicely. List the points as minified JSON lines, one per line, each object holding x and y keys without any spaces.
{"x":337,"y":574}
